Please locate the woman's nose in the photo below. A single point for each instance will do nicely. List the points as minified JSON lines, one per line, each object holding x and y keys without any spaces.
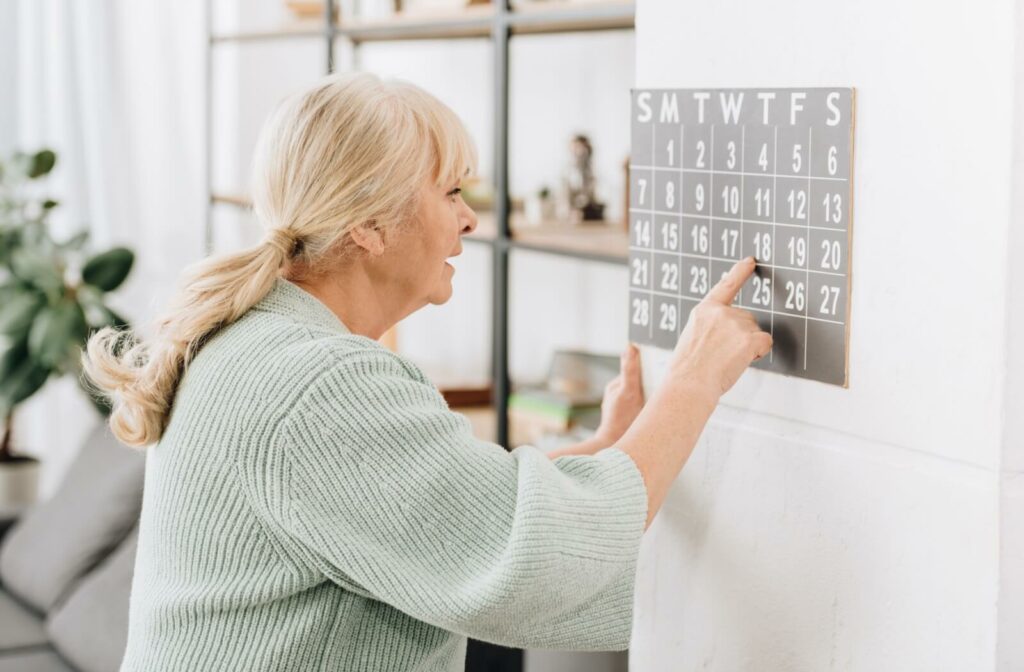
{"x":469,"y":220}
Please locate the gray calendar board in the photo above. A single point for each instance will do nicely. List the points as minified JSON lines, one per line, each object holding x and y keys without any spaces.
{"x":717,"y":175}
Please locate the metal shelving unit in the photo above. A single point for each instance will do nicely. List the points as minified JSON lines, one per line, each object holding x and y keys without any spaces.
{"x":499,"y":22}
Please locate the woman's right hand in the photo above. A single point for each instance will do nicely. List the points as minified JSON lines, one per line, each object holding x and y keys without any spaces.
{"x":720,"y":340}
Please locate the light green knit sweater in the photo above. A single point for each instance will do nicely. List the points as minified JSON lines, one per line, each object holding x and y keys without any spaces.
{"x":314,"y":505}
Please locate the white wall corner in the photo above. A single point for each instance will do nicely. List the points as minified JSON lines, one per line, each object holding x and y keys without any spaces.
{"x":1010,"y":643}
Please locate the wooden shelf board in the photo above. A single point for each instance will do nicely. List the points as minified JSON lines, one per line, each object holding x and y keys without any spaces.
{"x":533,"y":16}
{"x":600,"y":241}
{"x":473,"y":21}
{"x":299,"y":30}
{"x":237,"y":200}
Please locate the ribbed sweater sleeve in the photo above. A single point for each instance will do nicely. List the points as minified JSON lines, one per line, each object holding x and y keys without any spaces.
{"x":378,"y":485}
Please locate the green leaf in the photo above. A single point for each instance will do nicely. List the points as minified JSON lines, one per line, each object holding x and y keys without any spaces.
{"x":58,"y":334}
{"x":109,"y":269}
{"x":42,"y":163}
{"x":37,"y":269}
{"x":50,"y":204}
{"x":24,"y":381}
{"x":12,"y":353}
{"x":18,"y":311}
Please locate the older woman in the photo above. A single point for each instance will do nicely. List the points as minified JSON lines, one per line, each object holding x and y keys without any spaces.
{"x":311,"y":503}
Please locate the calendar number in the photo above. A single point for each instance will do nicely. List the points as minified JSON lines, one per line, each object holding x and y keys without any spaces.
{"x":762,"y":291}
{"x":641,"y":312}
{"x":698,"y":197}
{"x":731,"y":200}
{"x":763,"y":199}
{"x":798,"y":159}
{"x":833,"y":163}
{"x":643,"y":189}
{"x":730,"y":163}
{"x":643,"y":232}
{"x":669,"y":276}
{"x":794,"y":295}
{"x":830,"y":299}
{"x":833,"y":204}
{"x":797,"y":251}
{"x":670,"y":149}
{"x":640,"y":272}
{"x":832,"y":255}
{"x":670,"y":195}
{"x":797,"y":200}
{"x":698,"y":279}
{"x":762,"y":158}
{"x":700,"y":153}
{"x":700,"y":239}
{"x":763,"y":246}
{"x":670,"y":235}
{"x":669,"y":317}
{"x":729,"y":239}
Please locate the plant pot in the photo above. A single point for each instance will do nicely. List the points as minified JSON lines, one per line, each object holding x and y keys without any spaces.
{"x":19,"y":482}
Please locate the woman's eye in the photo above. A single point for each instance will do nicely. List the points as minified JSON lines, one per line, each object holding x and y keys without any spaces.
{"x":455,"y":192}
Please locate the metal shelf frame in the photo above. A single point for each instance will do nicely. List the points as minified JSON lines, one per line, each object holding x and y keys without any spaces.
{"x":500,"y":23}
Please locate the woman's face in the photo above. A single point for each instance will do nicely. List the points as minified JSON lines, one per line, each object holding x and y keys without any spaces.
{"x":420,"y":251}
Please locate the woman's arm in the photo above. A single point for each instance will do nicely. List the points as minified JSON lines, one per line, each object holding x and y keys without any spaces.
{"x":717,"y":345}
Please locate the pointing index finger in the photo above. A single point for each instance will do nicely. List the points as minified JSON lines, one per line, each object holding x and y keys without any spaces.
{"x":729,"y":286}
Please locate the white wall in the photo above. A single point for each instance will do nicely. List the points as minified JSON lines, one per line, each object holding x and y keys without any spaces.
{"x":820,"y":528}
{"x":8,"y":76}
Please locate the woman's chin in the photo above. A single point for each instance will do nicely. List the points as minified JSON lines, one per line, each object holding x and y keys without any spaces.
{"x":442,"y":294}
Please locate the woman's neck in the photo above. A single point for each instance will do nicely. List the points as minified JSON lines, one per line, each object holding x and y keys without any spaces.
{"x":364,"y":307}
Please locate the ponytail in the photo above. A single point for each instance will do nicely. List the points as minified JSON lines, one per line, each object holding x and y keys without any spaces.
{"x":140,"y":378}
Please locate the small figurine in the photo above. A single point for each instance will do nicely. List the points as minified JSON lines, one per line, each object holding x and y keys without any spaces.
{"x":579,"y":185}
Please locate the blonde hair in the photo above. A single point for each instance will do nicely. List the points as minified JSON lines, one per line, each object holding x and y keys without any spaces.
{"x":350,"y":151}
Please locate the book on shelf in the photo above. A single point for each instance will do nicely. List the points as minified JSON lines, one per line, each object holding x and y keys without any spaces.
{"x":570,"y":398}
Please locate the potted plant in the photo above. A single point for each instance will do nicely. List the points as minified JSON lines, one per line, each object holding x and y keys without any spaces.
{"x":52,"y":297}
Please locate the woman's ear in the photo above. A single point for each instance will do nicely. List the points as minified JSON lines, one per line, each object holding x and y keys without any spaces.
{"x":369,"y":237}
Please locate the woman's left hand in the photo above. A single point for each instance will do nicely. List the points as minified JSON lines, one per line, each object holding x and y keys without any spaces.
{"x":623,"y":398}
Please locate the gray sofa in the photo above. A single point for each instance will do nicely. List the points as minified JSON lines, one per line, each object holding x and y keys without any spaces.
{"x":66,"y":566}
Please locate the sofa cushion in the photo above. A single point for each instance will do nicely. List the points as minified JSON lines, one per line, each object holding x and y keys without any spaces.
{"x":19,"y":627}
{"x":33,"y":661}
{"x":90,"y":627}
{"x":61,"y":539}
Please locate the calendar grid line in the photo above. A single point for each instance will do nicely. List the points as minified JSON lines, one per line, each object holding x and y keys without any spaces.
{"x":679,"y":240}
{"x":711,"y":206}
{"x":743,"y":167}
{"x":807,"y":275}
{"x":698,"y":299}
{"x":706,"y":171}
{"x":654,"y":203}
{"x":731,"y":260}
{"x":723,"y":218}
{"x":775,"y":193}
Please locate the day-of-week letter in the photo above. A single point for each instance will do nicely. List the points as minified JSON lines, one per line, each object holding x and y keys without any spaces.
{"x":731,"y":107}
{"x":831,"y":102}
{"x":669,"y":108}
{"x":701,"y":97}
{"x":643,"y":101}
{"x":795,"y":106}
{"x":765,"y":97}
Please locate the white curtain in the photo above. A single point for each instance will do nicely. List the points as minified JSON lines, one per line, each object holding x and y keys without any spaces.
{"x":116,"y":88}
